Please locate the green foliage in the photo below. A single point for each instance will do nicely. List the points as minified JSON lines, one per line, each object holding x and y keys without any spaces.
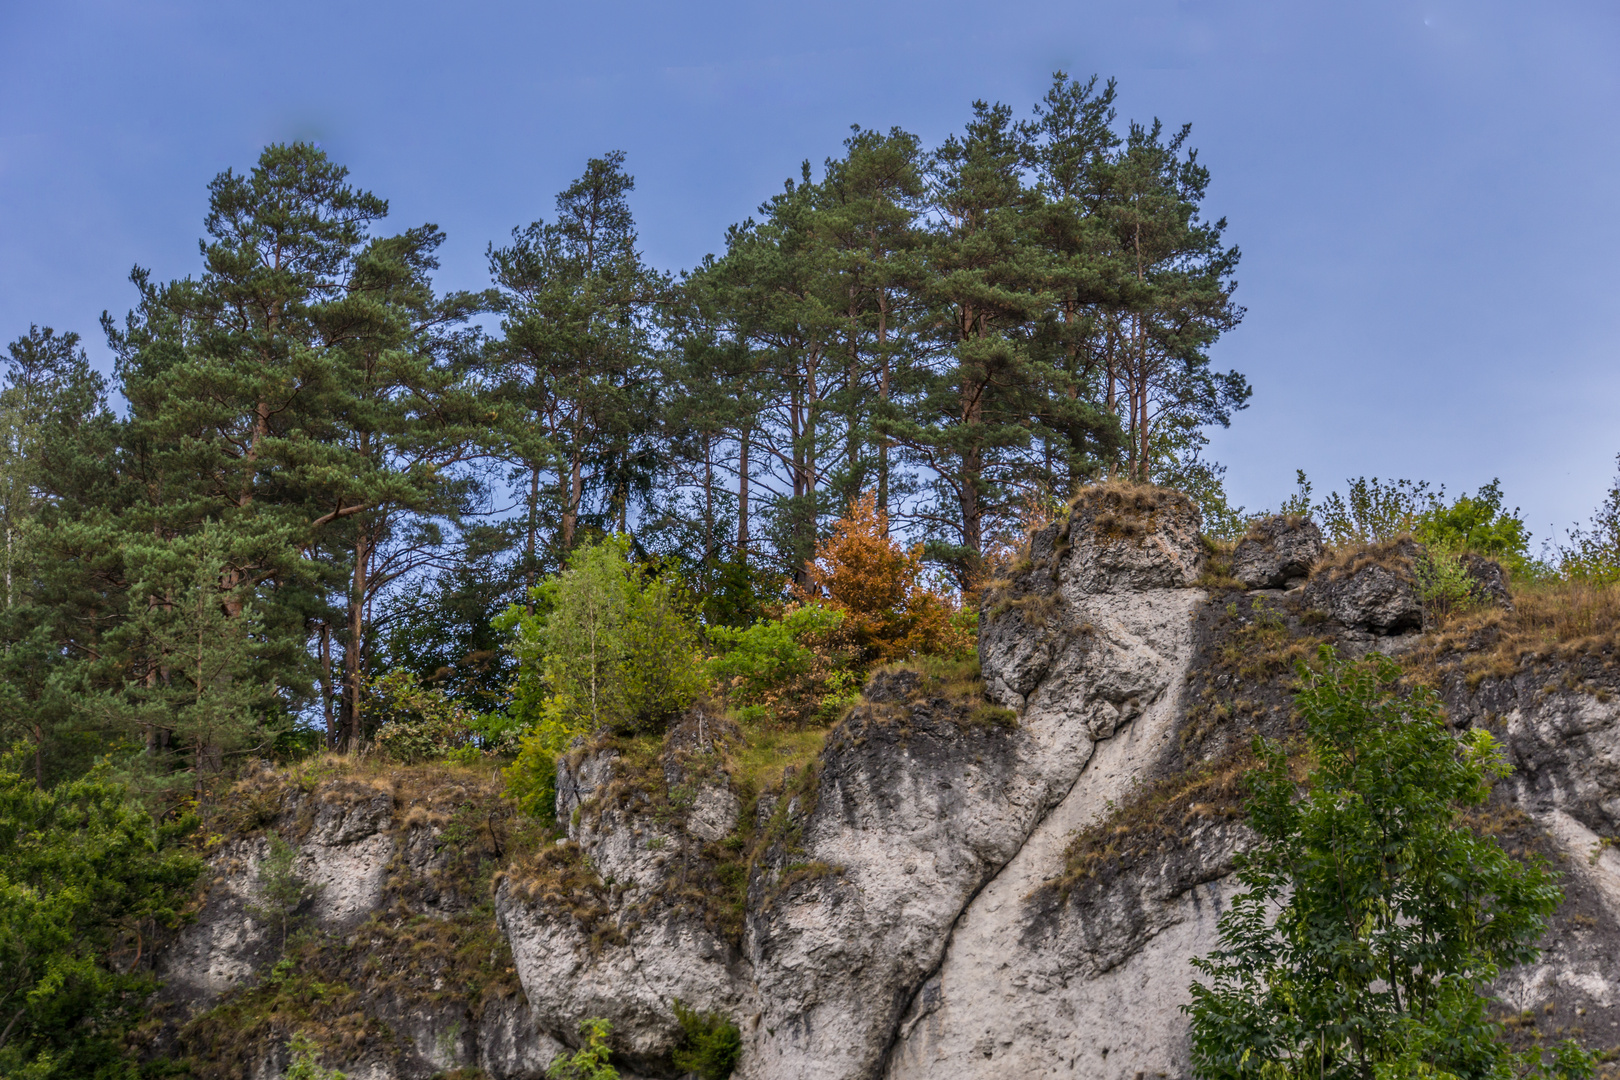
{"x":609,"y":646}
{"x":84,"y":876}
{"x":1372,"y":918}
{"x":710,"y":1043}
{"x":1593,"y":553}
{"x":304,"y":1065}
{"x":794,"y":667}
{"x":1478,"y":524}
{"x":531,"y":779}
{"x":415,"y":723}
{"x":1444,"y":584}
{"x":1373,"y":510}
{"x":589,"y":1062}
{"x":770,"y":654}
{"x":280,"y":892}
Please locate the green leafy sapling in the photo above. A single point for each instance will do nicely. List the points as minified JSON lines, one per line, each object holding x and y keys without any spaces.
{"x":589,"y":1062}
{"x":280,"y":890}
{"x":1372,"y":918}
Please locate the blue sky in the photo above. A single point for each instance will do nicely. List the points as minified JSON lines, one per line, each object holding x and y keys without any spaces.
{"x":1424,"y":192}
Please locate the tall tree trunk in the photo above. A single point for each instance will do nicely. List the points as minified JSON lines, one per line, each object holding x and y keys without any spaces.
{"x":529,"y":553}
{"x":852,"y":440}
{"x":326,"y":685}
{"x":352,"y":653}
{"x":883,"y":393}
{"x":742,"y":496}
{"x":708,"y":499}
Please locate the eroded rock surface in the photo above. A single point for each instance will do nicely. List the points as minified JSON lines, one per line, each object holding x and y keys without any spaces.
{"x":1376,"y":590}
{"x":1277,"y":551}
{"x":913,"y":906}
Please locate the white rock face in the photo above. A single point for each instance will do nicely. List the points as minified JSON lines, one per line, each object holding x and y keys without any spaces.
{"x":1000,"y":1007}
{"x":918,"y":823}
{"x":900,"y":919}
{"x":662,"y":952}
{"x":345,"y":857}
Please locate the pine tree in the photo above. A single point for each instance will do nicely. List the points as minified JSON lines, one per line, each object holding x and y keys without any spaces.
{"x":577,"y":393}
{"x":1174,"y":280}
{"x":984,"y":285}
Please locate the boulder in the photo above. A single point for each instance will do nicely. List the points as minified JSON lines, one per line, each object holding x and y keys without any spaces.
{"x":1277,"y":550}
{"x":1375,"y":589}
{"x":1489,"y":580}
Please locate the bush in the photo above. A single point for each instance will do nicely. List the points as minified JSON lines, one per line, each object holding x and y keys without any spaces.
{"x":710,"y":1043}
{"x":794,"y":666}
{"x":607,"y":645}
{"x":304,"y":1066}
{"x":1477,"y":524}
{"x":413,"y":722}
{"x":1372,"y":916}
{"x":590,"y":1062}
{"x":86,"y":880}
{"x":890,"y":612}
{"x":1370,"y":512}
{"x":1593,"y":554}
{"x":1444,"y":585}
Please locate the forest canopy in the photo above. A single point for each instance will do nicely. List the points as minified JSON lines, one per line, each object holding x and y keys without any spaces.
{"x":312,"y":466}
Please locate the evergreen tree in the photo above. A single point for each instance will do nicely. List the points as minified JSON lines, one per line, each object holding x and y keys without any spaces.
{"x":577,"y":392}
{"x":870,"y":201}
{"x":63,"y":585}
{"x":984,"y":286}
{"x":1174,"y":298}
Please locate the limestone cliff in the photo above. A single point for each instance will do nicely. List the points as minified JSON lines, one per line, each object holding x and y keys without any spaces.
{"x":952,"y":887}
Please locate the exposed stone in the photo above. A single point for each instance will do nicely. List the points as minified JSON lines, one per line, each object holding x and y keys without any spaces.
{"x":1489,"y":580}
{"x":1277,"y":551}
{"x":1375,"y":590}
{"x":921,"y":817}
{"x":904,"y":915}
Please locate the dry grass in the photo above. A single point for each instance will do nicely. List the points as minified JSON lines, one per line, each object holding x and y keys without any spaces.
{"x":1156,"y":820}
{"x":958,"y":682}
{"x":769,"y":755}
{"x":1217,"y":575}
{"x":1264,"y":646}
{"x":1550,"y":621}
{"x":1392,"y":554}
{"x":1123,"y":510}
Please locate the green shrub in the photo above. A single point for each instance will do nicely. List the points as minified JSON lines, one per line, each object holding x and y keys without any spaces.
{"x":1372,"y":919}
{"x":1372,"y":511}
{"x":710,"y":1043}
{"x":608,"y":645}
{"x":1444,"y":585}
{"x":770,"y":654}
{"x":590,"y":1062}
{"x":413,"y":722}
{"x":1593,"y":554}
{"x":1478,"y":524}
{"x":280,"y":891}
{"x":82,"y":868}
{"x":795,"y":667}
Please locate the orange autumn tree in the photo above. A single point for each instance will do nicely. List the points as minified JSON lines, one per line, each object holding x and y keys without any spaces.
{"x":890,"y":613}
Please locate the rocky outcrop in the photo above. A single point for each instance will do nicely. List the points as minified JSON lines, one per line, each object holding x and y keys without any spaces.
{"x":645,"y":938}
{"x":1277,"y":551}
{"x":955,"y":886}
{"x":1489,"y":581}
{"x":390,"y":868}
{"x":1374,"y":590}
